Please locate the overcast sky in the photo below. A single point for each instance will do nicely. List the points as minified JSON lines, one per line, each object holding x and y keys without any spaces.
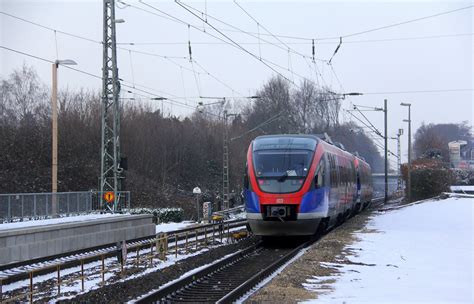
{"x":430,"y":54}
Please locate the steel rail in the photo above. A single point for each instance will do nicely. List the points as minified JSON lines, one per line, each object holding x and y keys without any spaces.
{"x":92,"y":254}
{"x":202,"y":283}
{"x":193,"y":277}
{"x":195,"y":283}
{"x":242,"y":289}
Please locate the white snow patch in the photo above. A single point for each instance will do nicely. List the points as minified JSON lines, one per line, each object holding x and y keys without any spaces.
{"x":167,"y":227}
{"x":422,"y":253}
{"x":61,"y":220}
{"x":462,"y":188}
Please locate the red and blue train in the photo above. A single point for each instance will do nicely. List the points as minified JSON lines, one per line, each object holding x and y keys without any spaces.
{"x":297,"y":184}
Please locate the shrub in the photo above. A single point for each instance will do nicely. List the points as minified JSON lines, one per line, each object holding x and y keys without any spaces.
{"x":161,"y":215}
{"x":463,"y":177}
{"x":429,"y":177}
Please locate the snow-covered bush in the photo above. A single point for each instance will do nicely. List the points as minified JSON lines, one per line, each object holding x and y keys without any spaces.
{"x":463,"y":177}
{"x":429,"y":182}
{"x":429,"y":177}
{"x":161,"y":215}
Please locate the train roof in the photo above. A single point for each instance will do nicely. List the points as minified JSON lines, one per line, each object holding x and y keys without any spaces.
{"x":285,"y":141}
{"x":265,"y":142}
{"x":288,"y":135}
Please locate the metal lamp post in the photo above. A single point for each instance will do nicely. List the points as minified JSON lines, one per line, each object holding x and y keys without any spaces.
{"x":54,"y":116}
{"x":197,"y":191}
{"x":409,"y":148}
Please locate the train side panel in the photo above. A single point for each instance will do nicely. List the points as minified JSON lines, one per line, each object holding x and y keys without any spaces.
{"x":337,"y":184}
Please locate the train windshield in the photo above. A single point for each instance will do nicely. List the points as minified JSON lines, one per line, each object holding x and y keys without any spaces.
{"x":281,"y":163}
{"x":281,"y":170}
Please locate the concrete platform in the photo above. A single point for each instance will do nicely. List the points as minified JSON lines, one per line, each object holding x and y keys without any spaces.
{"x":24,"y":242}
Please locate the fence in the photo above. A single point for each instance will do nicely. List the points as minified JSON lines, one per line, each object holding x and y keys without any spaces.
{"x":19,"y":206}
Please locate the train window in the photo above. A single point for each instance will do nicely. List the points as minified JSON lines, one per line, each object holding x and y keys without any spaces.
{"x":282,"y":171}
{"x":319,"y":178}
{"x":332,"y":170}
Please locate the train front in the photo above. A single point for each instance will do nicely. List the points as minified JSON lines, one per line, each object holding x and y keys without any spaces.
{"x":279,"y":175}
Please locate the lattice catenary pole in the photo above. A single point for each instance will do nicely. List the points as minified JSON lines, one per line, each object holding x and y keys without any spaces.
{"x":110,"y":146}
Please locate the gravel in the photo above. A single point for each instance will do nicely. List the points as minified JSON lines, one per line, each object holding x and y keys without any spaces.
{"x":128,"y":290}
{"x":287,"y":286}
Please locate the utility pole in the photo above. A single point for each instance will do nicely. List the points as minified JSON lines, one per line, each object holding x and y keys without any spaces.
{"x":110,"y":173}
{"x":409,"y":154}
{"x":409,"y":149}
{"x":54,"y":135}
{"x":386,"y":149}
{"x":225,"y":165}
{"x":399,"y":159}
{"x":225,"y":143}
{"x":225,"y":161}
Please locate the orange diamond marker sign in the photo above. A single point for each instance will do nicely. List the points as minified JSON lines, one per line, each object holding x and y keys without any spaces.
{"x":109,"y":197}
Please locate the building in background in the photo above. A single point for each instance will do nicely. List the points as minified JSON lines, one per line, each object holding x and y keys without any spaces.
{"x":461,"y":154}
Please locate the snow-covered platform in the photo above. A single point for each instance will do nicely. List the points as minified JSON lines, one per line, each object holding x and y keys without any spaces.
{"x":463,"y":189}
{"x":23,"y":241}
{"x":418,"y":254}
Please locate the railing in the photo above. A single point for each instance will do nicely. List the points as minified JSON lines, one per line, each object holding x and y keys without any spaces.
{"x":147,"y":252}
{"x":231,"y":211}
{"x":21,"y":206}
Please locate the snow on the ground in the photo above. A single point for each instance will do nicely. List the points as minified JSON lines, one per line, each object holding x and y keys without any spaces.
{"x":422,"y":253}
{"x":166,"y":227}
{"x":186,"y":274}
{"x":462,"y":188}
{"x":61,"y":220}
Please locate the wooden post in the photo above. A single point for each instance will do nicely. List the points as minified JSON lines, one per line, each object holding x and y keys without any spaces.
{"x":221,"y":231}
{"x":103,"y":271}
{"x":157,"y":245}
{"x":186,"y":243}
{"x":82,"y":275}
{"x":151,"y":254}
{"x":31,"y":286}
{"x":59,"y":279}
{"x":176,"y":245}
{"x":138,"y":254}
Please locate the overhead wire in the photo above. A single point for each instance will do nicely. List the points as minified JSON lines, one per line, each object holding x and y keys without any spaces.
{"x":271,"y":34}
{"x":419,"y":91}
{"x":126,"y":83}
{"x":293,"y":37}
{"x":371,"y":127}
{"x":407,"y":22}
{"x":266,"y":122}
{"x":168,"y":58}
{"x":232,"y":41}
{"x":50,"y":28}
{"x":169,"y":17}
{"x":305,"y":43}
{"x":189,"y":8}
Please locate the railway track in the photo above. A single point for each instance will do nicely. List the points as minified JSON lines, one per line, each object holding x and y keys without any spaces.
{"x":231,"y":278}
{"x":184,"y":238}
{"x":228,"y":279}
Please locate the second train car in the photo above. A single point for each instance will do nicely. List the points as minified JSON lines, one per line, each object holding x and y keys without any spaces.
{"x":296,"y":184}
